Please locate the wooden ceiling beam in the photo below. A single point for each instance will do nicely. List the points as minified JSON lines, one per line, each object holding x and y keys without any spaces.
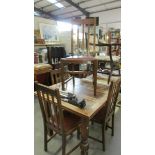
{"x":86,"y":13}
{"x":46,"y":15}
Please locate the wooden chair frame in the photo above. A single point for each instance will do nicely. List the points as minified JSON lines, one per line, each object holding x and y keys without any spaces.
{"x":53,"y":116}
{"x":83,"y":23}
{"x":55,"y":76}
{"x":107,"y":112}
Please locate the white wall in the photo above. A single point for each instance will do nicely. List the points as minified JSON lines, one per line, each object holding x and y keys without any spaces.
{"x":65,"y":37}
{"x":38,"y":20}
{"x":111,"y":18}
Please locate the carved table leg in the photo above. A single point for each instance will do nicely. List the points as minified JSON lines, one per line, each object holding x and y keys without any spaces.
{"x":95,"y":65}
{"x":84,"y":136}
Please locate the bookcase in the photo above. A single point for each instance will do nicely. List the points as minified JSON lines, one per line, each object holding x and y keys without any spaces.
{"x":114,"y":37}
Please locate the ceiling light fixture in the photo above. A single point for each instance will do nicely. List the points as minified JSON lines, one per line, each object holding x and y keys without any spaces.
{"x":52,"y":1}
{"x":55,"y":2}
{"x":59,"y":5}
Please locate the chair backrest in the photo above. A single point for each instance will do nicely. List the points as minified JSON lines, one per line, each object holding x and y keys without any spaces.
{"x":55,"y":76}
{"x":112,"y":98}
{"x":50,"y":104}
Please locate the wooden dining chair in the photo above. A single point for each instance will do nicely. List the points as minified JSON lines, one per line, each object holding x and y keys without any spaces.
{"x":56,"y":76}
{"x":55,"y":119}
{"x":107,"y":113}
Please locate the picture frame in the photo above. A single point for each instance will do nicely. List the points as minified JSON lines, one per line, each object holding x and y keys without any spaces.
{"x":49,"y":32}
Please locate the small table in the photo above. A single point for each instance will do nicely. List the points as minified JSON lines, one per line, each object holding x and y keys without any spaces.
{"x":84,"y":90}
{"x":80,"y":60}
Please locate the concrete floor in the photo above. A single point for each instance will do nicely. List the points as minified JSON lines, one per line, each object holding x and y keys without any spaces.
{"x":113,"y":144}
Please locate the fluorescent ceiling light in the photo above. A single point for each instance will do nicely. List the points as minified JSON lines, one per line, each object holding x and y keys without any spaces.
{"x":55,"y":2}
{"x":52,"y":1}
{"x":59,"y":5}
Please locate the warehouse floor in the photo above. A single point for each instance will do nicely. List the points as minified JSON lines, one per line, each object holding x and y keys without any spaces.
{"x":113,"y":144}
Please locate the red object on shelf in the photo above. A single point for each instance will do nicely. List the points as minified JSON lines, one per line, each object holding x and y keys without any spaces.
{"x":36,"y":57}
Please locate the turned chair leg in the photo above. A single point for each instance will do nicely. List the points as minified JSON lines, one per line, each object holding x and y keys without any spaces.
{"x":45,"y":139}
{"x":63,"y":145}
{"x":103,"y":137}
{"x":112,"y":125}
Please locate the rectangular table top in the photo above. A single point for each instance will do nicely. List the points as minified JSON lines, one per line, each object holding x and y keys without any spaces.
{"x":84,"y":90}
